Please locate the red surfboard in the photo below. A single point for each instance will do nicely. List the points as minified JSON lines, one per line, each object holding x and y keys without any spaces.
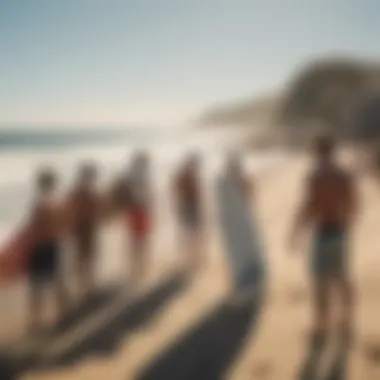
{"x":14,"y":257}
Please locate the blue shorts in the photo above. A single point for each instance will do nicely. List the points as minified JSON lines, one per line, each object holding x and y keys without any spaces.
{"x":329,"y":253}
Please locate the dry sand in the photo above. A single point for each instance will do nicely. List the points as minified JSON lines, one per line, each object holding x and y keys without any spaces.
{"x":276,"y":348}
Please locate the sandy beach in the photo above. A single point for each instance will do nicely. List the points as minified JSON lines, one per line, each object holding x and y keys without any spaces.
{"x":271,"y":345}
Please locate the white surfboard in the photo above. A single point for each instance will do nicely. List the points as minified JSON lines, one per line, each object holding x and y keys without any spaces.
{"x":240,"y":235}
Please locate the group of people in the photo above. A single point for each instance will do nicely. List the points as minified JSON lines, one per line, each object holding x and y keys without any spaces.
{"x":81,"y":214}
{"x":328,"y":209}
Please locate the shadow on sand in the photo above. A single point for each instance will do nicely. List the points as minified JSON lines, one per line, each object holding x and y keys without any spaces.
{"x":12,"y":362}
{"x":105,"y":339}
{"x":208,"y":350}
{"x":337,"y":369}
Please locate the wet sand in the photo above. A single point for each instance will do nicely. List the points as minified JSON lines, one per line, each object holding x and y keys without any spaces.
{"x":194,"y":332}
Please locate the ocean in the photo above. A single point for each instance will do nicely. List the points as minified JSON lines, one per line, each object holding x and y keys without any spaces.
{"x":21,"y":153}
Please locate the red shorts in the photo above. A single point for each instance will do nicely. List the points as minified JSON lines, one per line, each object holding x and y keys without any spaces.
{"x":139,"y":222}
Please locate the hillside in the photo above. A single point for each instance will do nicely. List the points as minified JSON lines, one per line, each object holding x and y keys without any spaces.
{"x":342,"y":94}
{"x":246,"y":112}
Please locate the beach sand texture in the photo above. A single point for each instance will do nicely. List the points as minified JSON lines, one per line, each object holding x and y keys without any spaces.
{"x":272,"y":347}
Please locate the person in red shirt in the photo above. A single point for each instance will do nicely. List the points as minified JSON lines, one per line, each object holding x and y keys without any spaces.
{"x":189,"y":209}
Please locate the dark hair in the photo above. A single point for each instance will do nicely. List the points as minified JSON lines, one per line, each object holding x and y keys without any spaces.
{"x":324,"y":145}
{"x":193,"y":158}
{"x":140,"y":157}
{"x":87,"y":170}
{"x":46,"y":179}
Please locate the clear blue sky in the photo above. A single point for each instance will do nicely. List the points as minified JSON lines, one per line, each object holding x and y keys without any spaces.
{"x":116,"y":61}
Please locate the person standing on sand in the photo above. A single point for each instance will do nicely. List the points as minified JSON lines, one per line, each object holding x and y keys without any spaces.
{"x":46,"y":226}
{"x":330,"y":207}
{"x":189,"y":203}
{"x":138,"y":213}
{"x":86,"y":207}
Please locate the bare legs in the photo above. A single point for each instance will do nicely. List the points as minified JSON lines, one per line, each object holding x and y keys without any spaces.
{"x":85,"y":269}
{"x":323,"y":291}
{"x":61,"y":297}
{"x":36,"y":298}
{"x":35,"y":307}
{"x":85,"y":242}
{"x":138,"y":262}
{"x":193,"y":245}
{"x":346,"y":291}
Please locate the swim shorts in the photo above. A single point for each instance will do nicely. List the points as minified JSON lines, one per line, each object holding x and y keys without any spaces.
{"x":329,"y":252}
{"x":44,"y":261}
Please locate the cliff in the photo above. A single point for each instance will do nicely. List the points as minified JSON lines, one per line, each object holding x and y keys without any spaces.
{"x":342,"y":95}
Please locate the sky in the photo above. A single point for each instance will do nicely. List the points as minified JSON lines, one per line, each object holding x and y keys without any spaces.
{"x":87,"y":62}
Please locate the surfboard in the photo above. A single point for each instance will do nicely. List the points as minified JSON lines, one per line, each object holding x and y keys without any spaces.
{"x":13,"y":257}
{"x":240,"y":235}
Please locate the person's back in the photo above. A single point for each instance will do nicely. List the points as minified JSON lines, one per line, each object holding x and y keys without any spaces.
{"x":120,"y":195}
{"x":85,"y":203}
{"x":330,"y":196}
{"x":187,"y":191}
{"x":46,"y":219}
{"x":84,"y":198}
{"x":188,"y":187}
